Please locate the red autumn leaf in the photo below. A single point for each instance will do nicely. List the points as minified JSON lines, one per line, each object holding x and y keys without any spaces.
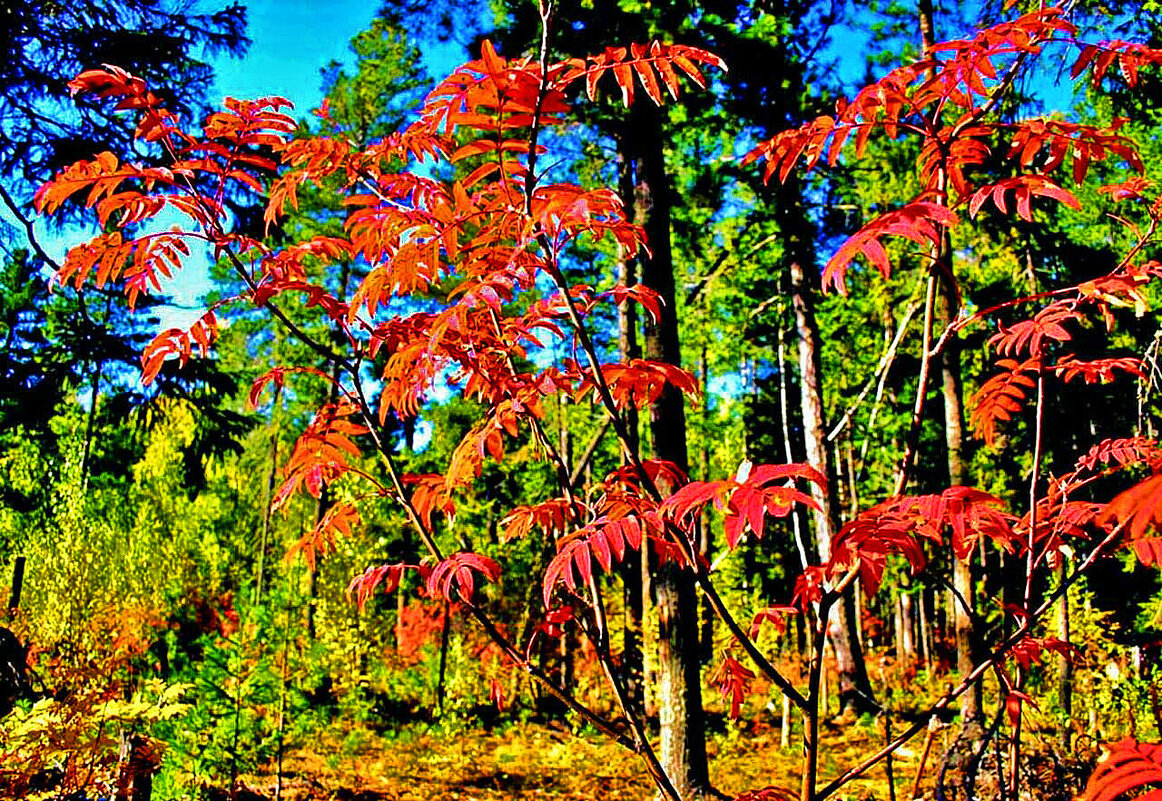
{"x":339,"y":519}
{"x":1123,"y":452}
{"x":1023,"y":188}
{"x":322,"y":453}
{"x":647,"y":298}
{"x":809,"y":588}
{"x":640,"y":382}
{"x":454,"y":578}
{"x":553,"y":623}
{"x":920,"y":221}
{"x":1002,"y":396}
{"x":179,"y":344}
{"x":775,"y":615}
{"x":1139,"y":509}
{"x":758,"y":493}
{"x":1014,"y":699}
{"x":277,"y":377}
{"x":387,"y":577}
{"x":1126,"y":770}
{"x":553,"y":516}
{"x":903,"y":525}
{"x":734,"y":680}
{"x":1096,"y":371}
{"x":648,"y":63}
{"x":1136,"y":188}
{"x":1030,"y":650}
{"x":1028,"y":336}
{"x":496,"y":694}
{"x":606,"y":540}
{"x":429,"y":494}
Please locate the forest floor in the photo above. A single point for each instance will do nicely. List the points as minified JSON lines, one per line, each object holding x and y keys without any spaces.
{"x":539,"y":761}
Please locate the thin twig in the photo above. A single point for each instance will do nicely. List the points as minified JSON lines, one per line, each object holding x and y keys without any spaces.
{"x":877,"y":375}
{"x":981,"y":668}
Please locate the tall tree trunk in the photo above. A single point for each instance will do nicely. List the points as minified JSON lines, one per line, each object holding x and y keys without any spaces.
{"x":683,"y":747}
{"x":634,"y":587}
{"x":788,"y":450}
{"x":907,"y":643}
{"x":17,"y":587}
{"x":91,"y":423}
{"x":1065,"y":660}
{"x":855,"y":691}
{"x":271,"y":477}
{"x":951,"y":390}
{"x":445,"y":631}
{"x":962,"y":579}
{"x":706,"y":534}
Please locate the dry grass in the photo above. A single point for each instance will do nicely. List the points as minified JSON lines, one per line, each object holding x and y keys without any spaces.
{"x":545,"y":761}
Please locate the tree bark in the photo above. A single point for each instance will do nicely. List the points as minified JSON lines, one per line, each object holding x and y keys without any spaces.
{"x":962,"y":579}
{"x":91,"y":423}
{"x":17,"y":587}
{"x":966,"y":656}
{"x":137,"y":762}
{"x":1064,"y":660}
{"x":907,"y":643}
{"x":632,"y":661}
{"x":854,"y":688}
{"x":683,"y":746}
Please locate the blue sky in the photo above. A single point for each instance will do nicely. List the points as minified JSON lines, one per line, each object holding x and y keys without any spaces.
{"x":292,"y":40}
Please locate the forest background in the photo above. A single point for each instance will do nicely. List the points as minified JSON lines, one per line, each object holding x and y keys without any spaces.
{"x":177,"y":628}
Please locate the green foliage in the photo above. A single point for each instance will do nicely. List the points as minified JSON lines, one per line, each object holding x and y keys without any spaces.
{"x":266,"y":653}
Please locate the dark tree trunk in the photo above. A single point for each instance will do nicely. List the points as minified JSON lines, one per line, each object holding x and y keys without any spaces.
{"x":17,"y":588}
{"x":683,"y":747}
{"x":631,"y":569}
{"x":1065,"y":660}
{"x":906,"y":644}
{"x":445,"y":631}
{"x":137,"y":763}
{"x":91,"y":423}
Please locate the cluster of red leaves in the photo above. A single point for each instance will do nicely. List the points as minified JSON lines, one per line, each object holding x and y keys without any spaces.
{"x":385,"y":577}
{"x":176,"y":342}
{"x":497,"y":233}
{"x":411,"y":230}
{"x":1005,"y":394}
{"x":756,"y":493}
{"x":418,"y":625}
{"x":323,"y":452}
{"x":940,"y":99}
{"x":1129,"y":770}
{"x":453,"y":578}
{"x":1139,"y":510}
{"x":734,"y":680}
{"x":605,"y":540}
{"x":902,"y":526}
{"x":624,"y":517}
